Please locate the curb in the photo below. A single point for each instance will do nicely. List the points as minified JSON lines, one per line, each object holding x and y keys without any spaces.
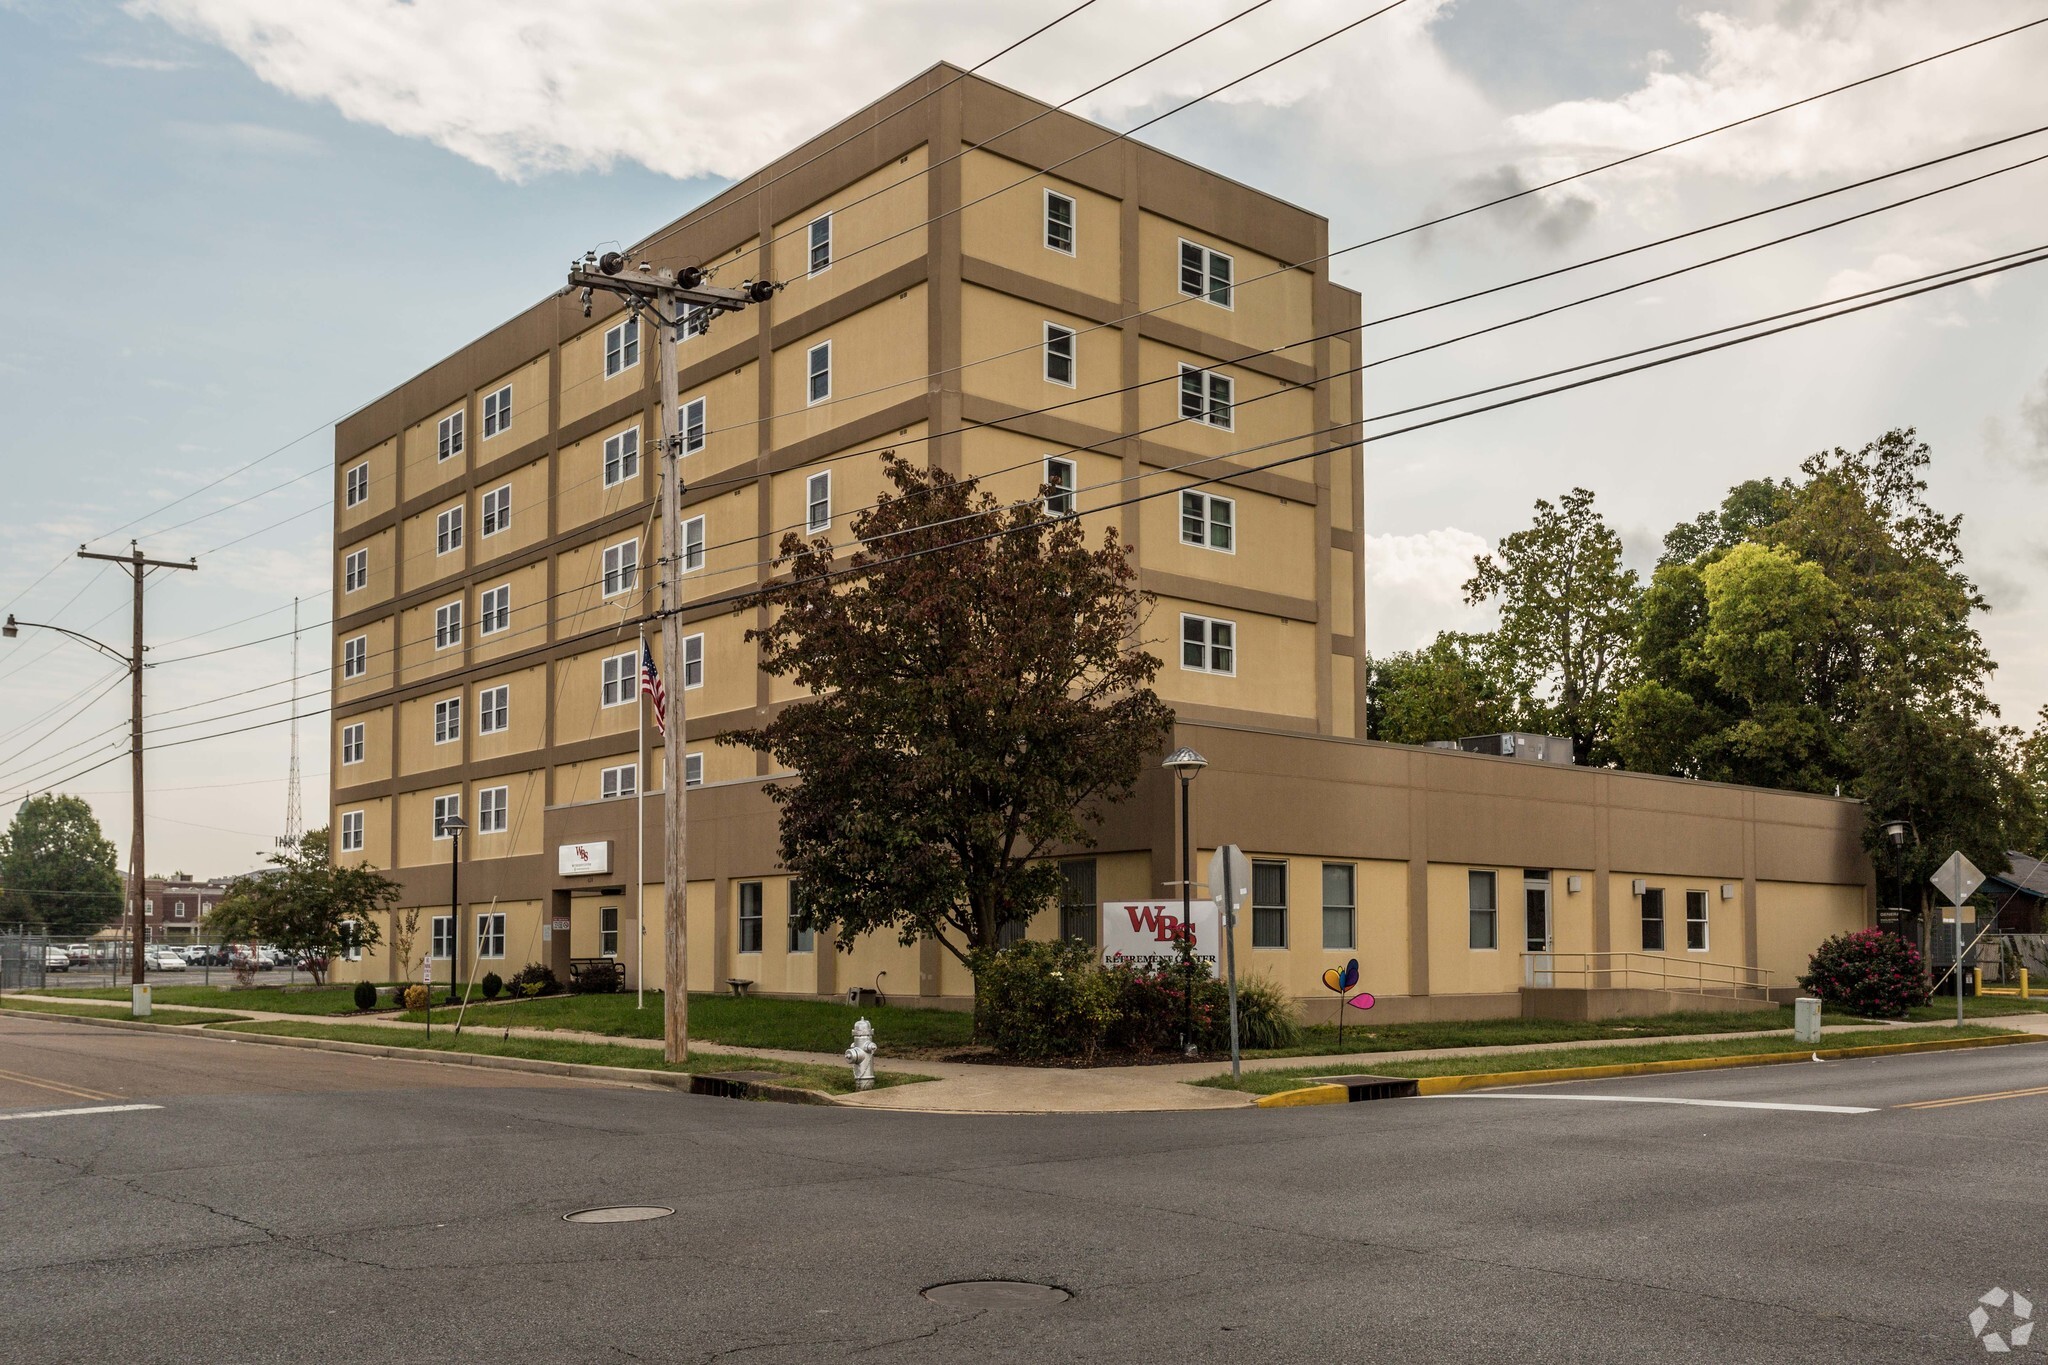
{"x":674,"y":1080}
{"x":1486,"y":1080}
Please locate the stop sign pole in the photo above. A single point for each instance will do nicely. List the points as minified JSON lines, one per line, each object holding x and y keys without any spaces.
{"x":1230,"y":887}
{"x":1957,"y":880}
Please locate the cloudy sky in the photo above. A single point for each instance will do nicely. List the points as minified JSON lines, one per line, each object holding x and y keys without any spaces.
{"x":229,"y":222}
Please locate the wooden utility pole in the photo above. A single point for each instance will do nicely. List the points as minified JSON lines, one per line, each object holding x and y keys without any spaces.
{"x":138,"y":569}
{"x":666,"y":296}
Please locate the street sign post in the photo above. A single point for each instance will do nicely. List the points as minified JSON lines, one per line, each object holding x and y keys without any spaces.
{"x":1230,"y":886}
{"x":1958,"y":880}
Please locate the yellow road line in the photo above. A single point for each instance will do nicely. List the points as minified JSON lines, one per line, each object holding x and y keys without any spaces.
{"x":1975,"y":1099}
{"x":71,"y":1090}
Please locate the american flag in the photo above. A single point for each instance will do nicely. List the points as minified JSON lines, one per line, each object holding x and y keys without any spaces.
{"x":650,"y":684}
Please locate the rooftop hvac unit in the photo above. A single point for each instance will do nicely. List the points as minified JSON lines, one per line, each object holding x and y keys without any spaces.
{"x":1521,"y":744}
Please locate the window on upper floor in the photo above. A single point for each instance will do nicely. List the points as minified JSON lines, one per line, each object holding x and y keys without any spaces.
{"x":621,"y":456}
{"x":621,"y":681}
{"x":693,"y":770}
{"x":494,"y":709}
{"x":1205,"y":397}
{"x":448,"y":625}
{"x":621,"y":567}
{"x":1208,"y":645}
{"x":1059,"y":354}
{"x":497,"y":412}
{"x":1061,"y":478}
{"x":622,"y":347}
{"x":355,"y":571}
{"x":821,"y":244}
{"x":818,"y":503}
{"x":696,"y":322}
{"x":692,"y":427}
{"x":352,"y":743}
{"x":356,"y":485}
{"x":693,"y":544}
{"x":693,"y":661}
{"x":818,"y":365}
{"x":1208,"y":520}
{"x":1059,"y":222}
{"x":1205,"y":273}
{"x":352,"y":831}
{"x":355,"y":657}
{"x":448,"y":531}
{"x":492,"y":805}
{"x":448,"y":720}
{"x":494,"y":609}
{"x":498,"y":509}
{"x":613,"y":783}
{"x":448,"y":436}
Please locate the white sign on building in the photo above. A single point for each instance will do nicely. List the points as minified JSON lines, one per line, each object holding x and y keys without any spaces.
{"x":576,"y":860}
{"x":1147,"y":933}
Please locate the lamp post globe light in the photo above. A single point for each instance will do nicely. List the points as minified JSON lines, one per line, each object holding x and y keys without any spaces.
{"x":1186,"y":763}
{"x":452,"y":826}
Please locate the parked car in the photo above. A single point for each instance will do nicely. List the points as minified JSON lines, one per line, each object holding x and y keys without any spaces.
{"x":56,"y":960}
{"x":80,"y":953}
{"x":163,"y":960}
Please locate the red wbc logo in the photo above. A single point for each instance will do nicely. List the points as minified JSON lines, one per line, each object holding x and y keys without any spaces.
{"x":1164,"y":927}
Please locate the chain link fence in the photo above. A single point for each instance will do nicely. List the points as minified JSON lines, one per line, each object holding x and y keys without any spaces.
{"x":23,"y":961}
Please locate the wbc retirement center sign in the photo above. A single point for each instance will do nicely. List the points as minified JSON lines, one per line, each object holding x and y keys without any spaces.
{"x":1147,"y":933}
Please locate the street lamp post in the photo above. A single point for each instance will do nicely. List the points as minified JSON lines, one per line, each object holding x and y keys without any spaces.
{"x":1185,"y":763}
{"x":453,"y":825}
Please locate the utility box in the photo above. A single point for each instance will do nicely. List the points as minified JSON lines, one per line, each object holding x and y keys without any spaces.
{"x":1806,"y":1019}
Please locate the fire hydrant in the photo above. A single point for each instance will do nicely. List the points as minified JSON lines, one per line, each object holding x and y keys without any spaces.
{"x":862,"y":1055}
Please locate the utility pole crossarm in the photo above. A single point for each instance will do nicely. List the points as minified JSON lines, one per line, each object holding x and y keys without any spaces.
{"x":135,"y":557}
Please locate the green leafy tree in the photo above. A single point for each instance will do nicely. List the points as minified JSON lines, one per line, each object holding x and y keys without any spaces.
{"x":305,"y":904}
{"x":1749,"y":508}
{"x":2030,"y":766}
{"x":56,"y":867}
{"x":1453,"y":686}
{"x":1567,"y":618}
{"x":977,"y":693}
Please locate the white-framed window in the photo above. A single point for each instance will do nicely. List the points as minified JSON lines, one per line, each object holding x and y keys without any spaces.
{"x":445,"y":808}
{"x":693,"y":661}
{"x":621,"y":456}
{"x":494,"y":609}
{"x":818,"y":502}
{"x":351,"y":938}
{"x":821,"y":244}
{"x":448,"y":720}
{"x":497,"y":510}
{"x":449,"y":434}
{"x":1653,"y":920}
{"x":1208,"y":520}
{"x":613,"y":783}
{"x":608,"y":931}
{"x":351,"y":831}
{"x":497,"y":412}
{"x":355,"y":571}
{"x":1059,"y":354}
{"x":1482,"y":911}
{"x":693,"y":544}
{"x":355,"y":657}
{"x":749,"y":896}
{"x":622,"y":347}
{"x":1269,"y":904}
{"x":448,"y":624}
{"x":1208,"y":645}
{"x":696,"y":322}
{"x":693,"y":426}
{"x":693,"y":770}
{"x":1059,"y":222}
{"x":1340,"y":906}
{"x":1207,"y":397}
{"x":490,"y":934}
{"x":621,"y":567}
{"x":448,"y":530}
{"x":1204,"y":273}
{"x":352,"y":743}
{"x":1061,"y":479}
{"x":356,"y":485}
{"x":494,"y":709}
{"x":492,"y":804}
{"x":1696,"y":921}
{"x":621,"y":680}
{"x":441,"y":930}
{"x":818,"y":365}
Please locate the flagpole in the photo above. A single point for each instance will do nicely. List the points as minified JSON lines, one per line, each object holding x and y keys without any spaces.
{"x":640,"y":836}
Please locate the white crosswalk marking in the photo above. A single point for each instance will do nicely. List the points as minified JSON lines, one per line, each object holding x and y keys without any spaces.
{"x":1659,"y":1099}
{"x":88,"y":1109}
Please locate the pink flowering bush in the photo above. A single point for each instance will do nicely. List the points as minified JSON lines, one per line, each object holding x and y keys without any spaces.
{"x":1871,"y":972}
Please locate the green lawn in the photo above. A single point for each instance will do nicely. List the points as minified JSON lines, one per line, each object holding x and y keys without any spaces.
{"x":1290,"y":1078}
{"x":1977,"y":1007}
{"x":832,"y":1079}
{"x":793,"y":1025}
{"x":1320,"y":1040}
{"x":92,"y":1011}
{"x":276,"y":999}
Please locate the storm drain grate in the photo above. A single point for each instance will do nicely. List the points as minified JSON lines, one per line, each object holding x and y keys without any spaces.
{"x":1372,"y":1087}
{"x":733,"y":1085}
{"x":996,"y":1294}
{"x":623,"y":1213}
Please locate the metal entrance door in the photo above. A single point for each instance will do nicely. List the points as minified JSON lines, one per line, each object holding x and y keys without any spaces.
{"x":1536,"y":926}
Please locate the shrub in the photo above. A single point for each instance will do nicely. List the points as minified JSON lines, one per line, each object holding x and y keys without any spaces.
{"x":365,"y":995}
{"x":1265,"y":1014}
{"x":1872,"y":972}
{"x":416,"y":997}
{"x":492,"y":984}
{"x":534,"y":979}
{"x":1152,"y":1009}
{"x":1041,"y":1000}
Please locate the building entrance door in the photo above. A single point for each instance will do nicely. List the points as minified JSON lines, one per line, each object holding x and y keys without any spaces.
{"x":1536,"y":939}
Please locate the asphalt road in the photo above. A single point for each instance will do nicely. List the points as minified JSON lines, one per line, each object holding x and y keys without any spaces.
{"x":286,"y":1205}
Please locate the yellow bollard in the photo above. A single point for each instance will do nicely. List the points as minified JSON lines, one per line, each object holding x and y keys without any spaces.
{"x":2023,"y":985}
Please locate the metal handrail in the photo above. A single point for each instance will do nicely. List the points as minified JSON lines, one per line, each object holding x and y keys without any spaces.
{"x":1695,"y":976}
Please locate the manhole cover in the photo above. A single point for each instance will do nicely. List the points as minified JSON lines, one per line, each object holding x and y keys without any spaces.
{"x":996,"y":1294}
{"x":625,"y":1213}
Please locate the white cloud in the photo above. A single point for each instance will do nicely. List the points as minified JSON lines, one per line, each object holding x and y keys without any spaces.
{"x":1414,"y":587}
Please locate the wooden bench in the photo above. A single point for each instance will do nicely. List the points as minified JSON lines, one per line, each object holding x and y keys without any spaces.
{"x":595,"y":974}
{"x":739,"y":986}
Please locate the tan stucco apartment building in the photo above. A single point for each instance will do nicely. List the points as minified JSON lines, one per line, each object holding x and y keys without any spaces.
{"x":976,"y":280}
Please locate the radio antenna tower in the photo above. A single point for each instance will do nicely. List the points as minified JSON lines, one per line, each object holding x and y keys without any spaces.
{"x":294,"y":818}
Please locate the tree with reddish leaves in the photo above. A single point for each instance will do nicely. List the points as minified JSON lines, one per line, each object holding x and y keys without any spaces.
{"x":977,"y":694}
